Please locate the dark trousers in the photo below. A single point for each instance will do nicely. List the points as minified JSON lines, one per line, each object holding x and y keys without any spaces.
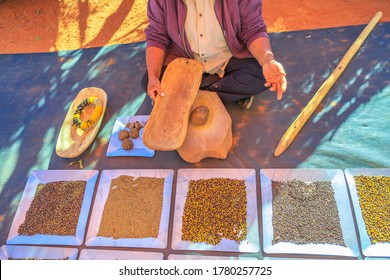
{"x":243,"y":78}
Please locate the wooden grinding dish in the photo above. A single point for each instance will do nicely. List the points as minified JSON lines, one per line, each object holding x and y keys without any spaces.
{"x":166,"y":128}
{"x":73,"y":141}
{"x":211,"y":137}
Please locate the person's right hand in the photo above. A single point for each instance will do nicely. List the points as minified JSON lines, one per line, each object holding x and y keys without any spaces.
{"x":275,"y":77}
{"x":154,"y":88}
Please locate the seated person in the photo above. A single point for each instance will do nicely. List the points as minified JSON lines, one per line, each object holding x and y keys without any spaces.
{"x":229,"y":38}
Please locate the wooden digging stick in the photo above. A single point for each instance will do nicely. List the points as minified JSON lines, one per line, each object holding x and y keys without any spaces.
{"x":300,"y":121}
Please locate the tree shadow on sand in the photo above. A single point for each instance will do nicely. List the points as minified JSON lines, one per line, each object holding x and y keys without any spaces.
{"x":111,"y":23}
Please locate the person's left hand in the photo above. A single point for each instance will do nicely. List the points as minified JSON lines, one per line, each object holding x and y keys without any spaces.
{"x":275,"y":77}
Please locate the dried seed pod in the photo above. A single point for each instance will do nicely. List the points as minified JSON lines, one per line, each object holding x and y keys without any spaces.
{"x":127,"y":144}
{"x":134,"y":133}
{"x":138,"y":125}
{"x":123,"y":134}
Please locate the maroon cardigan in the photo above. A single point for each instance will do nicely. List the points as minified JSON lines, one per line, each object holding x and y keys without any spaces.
{"x":241,"y":21}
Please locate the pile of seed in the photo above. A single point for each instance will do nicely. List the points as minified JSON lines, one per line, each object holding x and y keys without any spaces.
{"x":215,"y":208}
{"x":374,"y":200}
{"x":305,"y":213}
{"x":131,"y":131}
{"x":55,"y":209}
{"x":133,"y":208}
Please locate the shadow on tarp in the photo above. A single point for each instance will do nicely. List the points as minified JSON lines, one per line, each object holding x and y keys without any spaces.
{"x":350,"y":128}
{"x":36,"y":91}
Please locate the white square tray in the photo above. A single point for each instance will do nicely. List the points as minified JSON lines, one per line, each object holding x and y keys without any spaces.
{"x":46,"y":176}
{"x":115,"y":145}
{"x":251,"y":244}
{"x":368,"y":249}
{"x":101,"y":196}
{"x":336,"y":177}
{"x":98,"y":254}
{"x":207,"y":257}
{"x":37,"y":252}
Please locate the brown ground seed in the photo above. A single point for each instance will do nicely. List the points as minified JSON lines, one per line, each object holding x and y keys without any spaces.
{"x":215,"y":208}
{"x":55,"y":209}
{"x":133,"y":208}
{"x":305,"y":213}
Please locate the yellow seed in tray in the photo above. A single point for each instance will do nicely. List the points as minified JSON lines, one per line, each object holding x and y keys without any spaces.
{"x":214,"y":209}
{"x":374,"y":201}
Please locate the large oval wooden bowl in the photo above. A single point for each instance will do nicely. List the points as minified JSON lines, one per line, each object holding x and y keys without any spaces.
{"x":166,"y":128}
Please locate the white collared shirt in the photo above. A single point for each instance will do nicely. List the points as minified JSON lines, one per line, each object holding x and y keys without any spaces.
{"x":206,"y":37}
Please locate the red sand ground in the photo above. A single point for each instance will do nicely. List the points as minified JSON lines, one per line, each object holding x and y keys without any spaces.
{"x":52,"y":25}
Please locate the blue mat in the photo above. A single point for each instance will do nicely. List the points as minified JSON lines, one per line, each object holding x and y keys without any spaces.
{"x":350,"y":128}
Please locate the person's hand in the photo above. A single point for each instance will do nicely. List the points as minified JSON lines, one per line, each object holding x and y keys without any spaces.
{"x":154,"y":88}
{"x":275,"y":77}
